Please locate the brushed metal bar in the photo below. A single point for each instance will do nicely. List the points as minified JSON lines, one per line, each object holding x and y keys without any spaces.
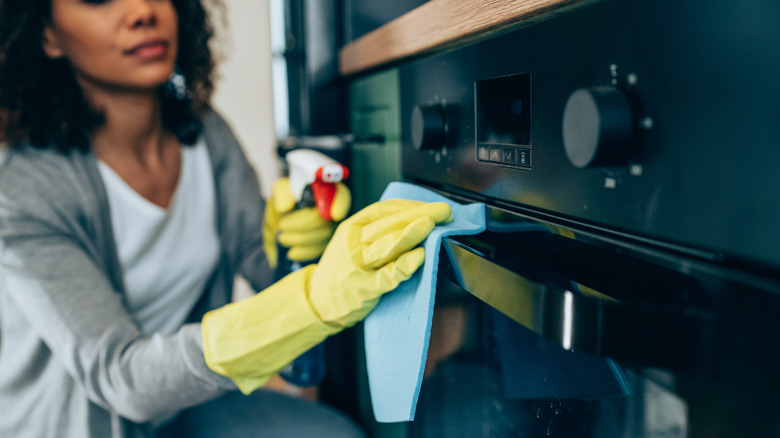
{"x":649,"y":334}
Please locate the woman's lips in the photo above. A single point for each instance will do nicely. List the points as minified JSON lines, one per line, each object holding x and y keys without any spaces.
{"x":149,"y":49}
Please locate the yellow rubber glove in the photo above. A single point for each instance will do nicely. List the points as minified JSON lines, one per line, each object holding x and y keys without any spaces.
{"x":370,"y":253}
{"x":303,"y":231}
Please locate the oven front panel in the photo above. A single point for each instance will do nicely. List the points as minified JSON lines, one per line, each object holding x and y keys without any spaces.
{"x":679,"y":99}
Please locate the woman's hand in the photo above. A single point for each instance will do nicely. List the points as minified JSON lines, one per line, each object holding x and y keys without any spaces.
{"x":303,"y":231}
{"x":369,"y":255}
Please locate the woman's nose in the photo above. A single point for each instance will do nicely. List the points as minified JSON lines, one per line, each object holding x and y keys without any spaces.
{"x":141,"y":13}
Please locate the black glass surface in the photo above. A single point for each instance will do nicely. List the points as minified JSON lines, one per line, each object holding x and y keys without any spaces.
{"x":504,"y":111}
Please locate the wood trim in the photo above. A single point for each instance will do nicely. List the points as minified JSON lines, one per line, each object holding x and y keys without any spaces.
{"x":439,"y":24}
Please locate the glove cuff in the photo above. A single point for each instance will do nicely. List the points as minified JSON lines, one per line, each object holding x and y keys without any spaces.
{"x":251,"y":340}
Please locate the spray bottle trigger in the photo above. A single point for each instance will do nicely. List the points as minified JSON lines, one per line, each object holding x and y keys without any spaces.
{"x":323,"y":198}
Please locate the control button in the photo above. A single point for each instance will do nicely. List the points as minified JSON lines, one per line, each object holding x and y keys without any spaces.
{"x":483,"y":153}
{"x":597,"y":127}
{"x":523,"y":157}
{"x":495,"y":155}
{"x":508,"y":156}
{"x":429,"y":127}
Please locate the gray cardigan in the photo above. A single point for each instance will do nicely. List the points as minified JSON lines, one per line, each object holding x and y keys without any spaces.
{"x":72,"y":361}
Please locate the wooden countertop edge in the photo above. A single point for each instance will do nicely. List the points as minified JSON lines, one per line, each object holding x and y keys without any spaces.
{"x":439,"y":24}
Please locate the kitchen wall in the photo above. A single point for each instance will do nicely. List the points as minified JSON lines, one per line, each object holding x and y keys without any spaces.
{"x":243,"y":93}
{"x":244,"y":88}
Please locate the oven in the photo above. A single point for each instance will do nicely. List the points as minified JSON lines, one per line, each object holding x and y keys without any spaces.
{"x":627,"y":285}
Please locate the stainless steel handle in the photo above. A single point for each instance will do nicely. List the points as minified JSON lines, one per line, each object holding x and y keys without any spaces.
{"x":678,"y":338}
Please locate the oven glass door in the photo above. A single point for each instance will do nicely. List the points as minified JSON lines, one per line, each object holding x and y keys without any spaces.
{"x":488,"y":376}
{"x":539,"y":331}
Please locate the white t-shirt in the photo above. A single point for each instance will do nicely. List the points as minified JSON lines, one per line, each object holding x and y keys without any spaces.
{"x":167,"y":255}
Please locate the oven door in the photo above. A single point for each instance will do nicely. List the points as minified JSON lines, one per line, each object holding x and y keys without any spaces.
{"x":554,"y":333}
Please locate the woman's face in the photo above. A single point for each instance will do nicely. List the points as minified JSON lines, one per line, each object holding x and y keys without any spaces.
{"x":115,"y":44}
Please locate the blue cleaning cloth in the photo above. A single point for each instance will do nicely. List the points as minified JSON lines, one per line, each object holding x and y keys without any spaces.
{"x":398,"y":330}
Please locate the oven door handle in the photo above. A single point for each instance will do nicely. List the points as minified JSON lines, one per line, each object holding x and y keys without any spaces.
{"x":646,"y":335}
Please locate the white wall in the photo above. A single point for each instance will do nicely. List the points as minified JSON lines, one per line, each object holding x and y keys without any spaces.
{"x":243,"y":92}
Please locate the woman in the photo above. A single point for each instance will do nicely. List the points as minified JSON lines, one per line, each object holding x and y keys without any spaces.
{"x":126,"y":210}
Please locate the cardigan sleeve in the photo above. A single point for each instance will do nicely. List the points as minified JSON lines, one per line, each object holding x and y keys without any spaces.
{"x":53,"y":276}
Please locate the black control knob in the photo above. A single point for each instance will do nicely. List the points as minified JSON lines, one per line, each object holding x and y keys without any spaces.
{"x":597,"y":127}
{"x":429,"y":127}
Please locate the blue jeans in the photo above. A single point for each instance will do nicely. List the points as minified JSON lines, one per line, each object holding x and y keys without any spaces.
{"x":265,"y":414}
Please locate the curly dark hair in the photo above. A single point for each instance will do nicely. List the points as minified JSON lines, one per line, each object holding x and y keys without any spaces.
{"x":41,"y":102}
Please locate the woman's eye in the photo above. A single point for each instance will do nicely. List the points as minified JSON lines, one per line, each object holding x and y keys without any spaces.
{"x":95,"y":2}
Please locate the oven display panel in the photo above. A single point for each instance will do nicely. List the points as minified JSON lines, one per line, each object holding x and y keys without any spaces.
{"x":503,"y":113}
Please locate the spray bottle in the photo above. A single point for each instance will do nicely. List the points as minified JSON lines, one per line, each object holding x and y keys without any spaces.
{"x":313,"y":178}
